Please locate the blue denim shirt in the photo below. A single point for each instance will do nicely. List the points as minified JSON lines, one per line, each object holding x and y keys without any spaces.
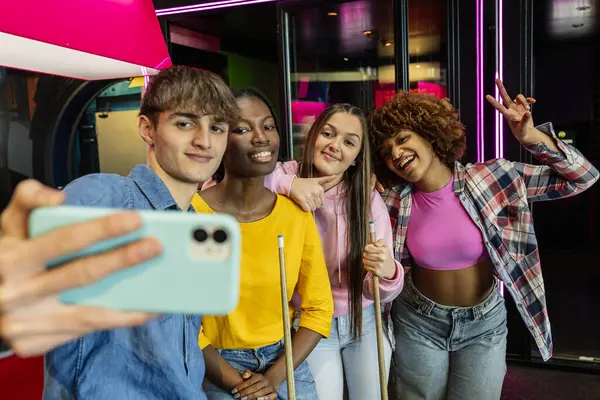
{"x":158,"y":360}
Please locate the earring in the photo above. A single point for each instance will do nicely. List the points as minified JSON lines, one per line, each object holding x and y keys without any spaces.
{"x":353,"y":163}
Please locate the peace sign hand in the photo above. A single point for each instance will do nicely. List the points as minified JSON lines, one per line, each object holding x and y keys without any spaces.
{"x":517,"y":113}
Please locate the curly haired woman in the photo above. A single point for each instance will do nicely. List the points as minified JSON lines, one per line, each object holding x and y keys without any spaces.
{"x":462,"y":229}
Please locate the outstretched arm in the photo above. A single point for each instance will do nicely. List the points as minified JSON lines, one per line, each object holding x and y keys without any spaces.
{"x":565,"y":171}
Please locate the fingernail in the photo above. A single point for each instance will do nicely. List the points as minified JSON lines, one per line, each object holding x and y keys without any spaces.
{"x":236,"y":396}
{"x":234,"y":391}
{"x":129,"y":220}
{"x":245,"y":398}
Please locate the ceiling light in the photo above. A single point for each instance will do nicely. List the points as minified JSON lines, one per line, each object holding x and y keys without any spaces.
{"x":332,"y":14}
{"x":387,"y":44}
{"x":367,"y":32}
{"x":208,"y":6}
{"x":346,"y":58}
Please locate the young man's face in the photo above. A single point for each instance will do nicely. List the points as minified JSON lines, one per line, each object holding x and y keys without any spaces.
{"x":187,"y":146}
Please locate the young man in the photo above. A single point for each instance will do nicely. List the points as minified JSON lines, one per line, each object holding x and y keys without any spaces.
{"x":184,"y":119}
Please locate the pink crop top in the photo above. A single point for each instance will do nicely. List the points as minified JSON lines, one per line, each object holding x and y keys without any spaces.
{"x":441,"y":235}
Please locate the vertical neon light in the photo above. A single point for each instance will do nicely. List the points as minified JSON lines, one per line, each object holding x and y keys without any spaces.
{"x":479,"y":77}
{"x":499,"y":75}
{"x":146,"y":77}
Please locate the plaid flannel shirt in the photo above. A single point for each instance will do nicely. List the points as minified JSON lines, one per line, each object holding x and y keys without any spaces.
{"x":496,"y":195}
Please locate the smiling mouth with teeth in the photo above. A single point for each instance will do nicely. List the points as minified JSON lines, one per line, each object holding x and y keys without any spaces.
{"x":261,"y":154}
{"x":405,"y":161}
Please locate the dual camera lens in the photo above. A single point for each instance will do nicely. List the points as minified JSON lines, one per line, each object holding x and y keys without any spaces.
{"x":219,"y":236}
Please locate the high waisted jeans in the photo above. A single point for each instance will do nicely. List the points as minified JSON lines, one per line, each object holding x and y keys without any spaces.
{"x":259,"y":361}
{"x":455,"y":353}
{"x":340,"y":356}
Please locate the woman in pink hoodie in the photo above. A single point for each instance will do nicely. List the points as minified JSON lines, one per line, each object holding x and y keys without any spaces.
{"x":334,"y":180}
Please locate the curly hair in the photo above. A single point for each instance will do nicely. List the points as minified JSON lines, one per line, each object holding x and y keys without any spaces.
{"x":434,"y":119}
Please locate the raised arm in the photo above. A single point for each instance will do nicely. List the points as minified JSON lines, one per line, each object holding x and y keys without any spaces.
{"x":308,"y":193}
{"x":565,"y":171}
{"x":281,"y":179}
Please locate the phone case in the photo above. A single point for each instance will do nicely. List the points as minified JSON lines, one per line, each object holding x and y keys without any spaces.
{"x":188,"y":277}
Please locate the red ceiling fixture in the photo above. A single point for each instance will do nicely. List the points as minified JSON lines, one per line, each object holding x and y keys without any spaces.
{"x":91,"y":39}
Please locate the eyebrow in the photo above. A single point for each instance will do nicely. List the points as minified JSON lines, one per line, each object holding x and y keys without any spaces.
{"x":337,"y":130}
{"x":196,"y":117}
{"x":249,"y":122}
{"x":185,"y":115}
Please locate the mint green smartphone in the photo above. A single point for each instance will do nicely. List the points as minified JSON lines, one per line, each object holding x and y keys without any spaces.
{"x":196,"y":273}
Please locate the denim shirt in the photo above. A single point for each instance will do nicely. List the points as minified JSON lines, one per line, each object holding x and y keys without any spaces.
{"x":158,"y":360}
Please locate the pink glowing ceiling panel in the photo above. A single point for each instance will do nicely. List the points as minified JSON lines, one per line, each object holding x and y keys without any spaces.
{"x":86,"y":39}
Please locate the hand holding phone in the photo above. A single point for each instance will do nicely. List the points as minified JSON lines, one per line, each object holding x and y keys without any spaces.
{"x":32,"y":320}
{"x":196,"y":273}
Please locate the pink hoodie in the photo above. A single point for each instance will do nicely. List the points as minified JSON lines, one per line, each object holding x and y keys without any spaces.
{"x":331,"y":223}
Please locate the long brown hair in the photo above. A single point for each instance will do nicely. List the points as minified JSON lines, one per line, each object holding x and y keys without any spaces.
{"x":357,"y":198}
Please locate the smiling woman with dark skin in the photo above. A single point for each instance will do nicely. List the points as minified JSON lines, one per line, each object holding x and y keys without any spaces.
{"x":243,"y":351}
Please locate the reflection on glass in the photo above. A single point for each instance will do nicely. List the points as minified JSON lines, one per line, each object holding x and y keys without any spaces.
{"x":427,"y":46}
{"x":112,"y":117}
{"x":340,"y":53}
{"x":107,"y":138}
{"x":17,"y":109}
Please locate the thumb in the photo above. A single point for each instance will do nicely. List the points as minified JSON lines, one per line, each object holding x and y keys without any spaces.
{"x":325,"y":179}
{"x":247,"y":374}
{"x":28,"y":195}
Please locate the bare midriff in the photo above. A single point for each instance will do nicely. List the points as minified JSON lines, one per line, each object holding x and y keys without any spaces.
{"x":463,"y":287}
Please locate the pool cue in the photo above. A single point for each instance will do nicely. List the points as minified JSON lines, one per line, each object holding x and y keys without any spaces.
{"x":378,"y":324}
{"x":287,"y":336}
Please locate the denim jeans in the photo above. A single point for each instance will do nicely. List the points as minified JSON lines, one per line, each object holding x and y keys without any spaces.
{"x":259,"y":361}
{"x":340,"y":356}
{"x":454,"y":353}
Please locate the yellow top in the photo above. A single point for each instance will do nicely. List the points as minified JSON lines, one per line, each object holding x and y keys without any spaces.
{"x":257,"y":320}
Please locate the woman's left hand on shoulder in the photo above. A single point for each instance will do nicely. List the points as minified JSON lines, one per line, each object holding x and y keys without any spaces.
{"x":517,"y":113}
{"x":377,"y":259}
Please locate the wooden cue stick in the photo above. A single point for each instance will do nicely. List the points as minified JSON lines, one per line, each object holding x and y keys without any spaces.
{"x":287,"y":336}
{"x":378,"y":324}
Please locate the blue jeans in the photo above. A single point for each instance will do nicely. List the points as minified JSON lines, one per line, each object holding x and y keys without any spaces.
{"x":259,"y":361}
{"x":340,"y":356}
{"x":454,"y":353}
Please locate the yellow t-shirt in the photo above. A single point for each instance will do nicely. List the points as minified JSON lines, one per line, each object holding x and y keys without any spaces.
{"x":257,"y":320}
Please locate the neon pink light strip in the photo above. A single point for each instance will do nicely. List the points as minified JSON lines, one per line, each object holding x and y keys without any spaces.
{"x":207,"y":6}
{"x":500,"y":33}
{"x":146,"y":77}
{"x":479,"y":77}
{"x":499,"y":75}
